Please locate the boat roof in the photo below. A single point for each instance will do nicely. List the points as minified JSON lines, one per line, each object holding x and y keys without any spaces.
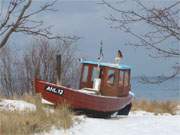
{"x":112,"y":65}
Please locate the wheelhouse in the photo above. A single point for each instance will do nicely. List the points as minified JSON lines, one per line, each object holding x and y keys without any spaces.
{"x":113,"y":79}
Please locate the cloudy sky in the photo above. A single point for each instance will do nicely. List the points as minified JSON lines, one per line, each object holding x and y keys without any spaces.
{"x":86,"y":19}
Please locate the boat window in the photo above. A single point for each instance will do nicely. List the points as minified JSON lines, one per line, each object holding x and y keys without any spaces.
{"x":85,"y":73}
{"x":121,"y":76}
{"x":126,"y":78}
{"x":95,"y":73}
{"x":111,"y":76}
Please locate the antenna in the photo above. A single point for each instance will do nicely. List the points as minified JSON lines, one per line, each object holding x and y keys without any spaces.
{"x":101,"y":55}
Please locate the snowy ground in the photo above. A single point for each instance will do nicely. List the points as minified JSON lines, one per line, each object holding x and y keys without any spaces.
{"x":137,"y":123}
{"x":11,"y":105}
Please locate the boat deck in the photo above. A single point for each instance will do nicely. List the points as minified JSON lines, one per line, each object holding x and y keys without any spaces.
{"x":89,"y":91}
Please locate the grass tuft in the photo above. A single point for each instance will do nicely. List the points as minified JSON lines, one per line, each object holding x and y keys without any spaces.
{"x":157,"y":107}
{"x":30,"y":122}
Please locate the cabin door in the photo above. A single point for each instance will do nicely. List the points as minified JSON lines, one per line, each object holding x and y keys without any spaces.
{"x":84,"y":83}
{"x":109,"y":82}
{"x":124,"y":82}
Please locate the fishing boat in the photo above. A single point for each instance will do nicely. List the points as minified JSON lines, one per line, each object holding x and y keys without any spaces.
{"x":104,"y":89}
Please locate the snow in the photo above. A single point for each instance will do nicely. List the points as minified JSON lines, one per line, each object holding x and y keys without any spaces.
{"x":137,"y":123}
{"x":44,"y":101}
{"x":144,"y":113}
{"x":178,"y":110}
{"x":19,"y":105}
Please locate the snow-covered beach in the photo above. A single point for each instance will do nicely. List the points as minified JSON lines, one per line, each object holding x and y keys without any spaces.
{"x":137,"y":123}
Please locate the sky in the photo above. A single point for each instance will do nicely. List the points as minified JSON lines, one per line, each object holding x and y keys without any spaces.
{"x":86,"y":19}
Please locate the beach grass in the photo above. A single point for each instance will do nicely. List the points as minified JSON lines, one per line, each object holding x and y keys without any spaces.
{"x":41,"y":120}
{"x":156,"y":107}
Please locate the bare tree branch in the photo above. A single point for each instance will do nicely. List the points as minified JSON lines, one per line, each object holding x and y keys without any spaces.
{"x":24,"y":22}
{"x":160,"y":79}
{"x":162,"y":23}
{"x":15,"y":26}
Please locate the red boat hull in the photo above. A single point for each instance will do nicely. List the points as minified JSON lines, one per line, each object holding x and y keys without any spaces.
{"x":79,"y":100}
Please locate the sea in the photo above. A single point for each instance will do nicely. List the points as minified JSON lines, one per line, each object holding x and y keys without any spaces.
{"x":166,"y":91}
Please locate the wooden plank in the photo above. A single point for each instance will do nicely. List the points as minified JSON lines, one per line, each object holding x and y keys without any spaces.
{"x":58,"y":68}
